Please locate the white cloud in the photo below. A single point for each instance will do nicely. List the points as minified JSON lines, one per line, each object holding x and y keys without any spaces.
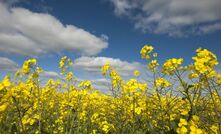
{"x":101,"y":81}
{"x":172,"y":17}
{"x":8,"y":65}
{"x":27,"y":33}
{"x":101,"y":84}
{"x":94,"y":64}
{"x":49,"y":74}
{"x":210,"y":28}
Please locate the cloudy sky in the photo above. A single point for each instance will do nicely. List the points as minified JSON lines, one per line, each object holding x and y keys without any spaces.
{"x":92,"y":32}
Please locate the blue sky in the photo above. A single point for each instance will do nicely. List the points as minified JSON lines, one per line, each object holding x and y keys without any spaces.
{"x":112,"y":30}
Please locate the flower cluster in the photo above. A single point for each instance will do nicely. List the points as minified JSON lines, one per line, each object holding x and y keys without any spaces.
{"x":171,"y":65}
{"x":204,"y":61}
{"x":189,"y":127}
{"x":152,"y":66}
{"x":105,"y":68}
{"x":64,"y":64}
{"x":162,"y":83}
{"x":145,"y":52}
{"x":26,"y":68}
{"x":204,"y":64}
{"x":85,"y":84}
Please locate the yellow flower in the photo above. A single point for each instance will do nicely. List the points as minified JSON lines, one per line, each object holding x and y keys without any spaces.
{"x":83,"y":115}
{"x":26,"y":67}
{"x":182,"y":122}
{"x":204,"y":61}
{"x":105,"y":68}
{"x":132,"y":85}
{"x":182,"y":130}
{"x":17,"y":73}
{"x":85,"y":84}
{"x":184,"y":112}
{"x":69,"y":76}
{"x":195,"y":118}
{"x":195,"y":130}
{"x":31,"y":121}
{"x":115,"y":77}
{"x":33,"y":61}
{"x":155,"y":55}
{"x":6,"y":81}
{"x":64,"y":63}
{"x":93,"y":131}
{"x":153,"y":65}
{"x":142,"y":86}
{"x":145,"y":51}
{"x":171,"y":65}
{"x":138,"y":110}
{"x":70,"y":63}
{"x":136,"y":73}
{"x":50,"y":82}
{"x":105,"y":126}
{"x":162,"y":83}
{"x":3,"y":107}
{"x":193,"y":75}
{"x":218,"y":79}
{"x":39,"y":70}
{"x":1,"y":86}
{"x":172,"y":117}
{"x":214,"y":129}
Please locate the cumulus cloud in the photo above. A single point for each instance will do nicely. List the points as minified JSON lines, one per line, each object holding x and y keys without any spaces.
{"x":28,"y":33}
{"x":8,"y":65}
{"x":172,"y":17}
{"x":94,"y":64}
{"x":101,"y":81}
{"x":49,"y":74}
{"x":210,"y":28}
{"x":101,"y":84}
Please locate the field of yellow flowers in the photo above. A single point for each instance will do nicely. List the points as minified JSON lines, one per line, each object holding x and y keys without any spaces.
{"x":178,"y":99}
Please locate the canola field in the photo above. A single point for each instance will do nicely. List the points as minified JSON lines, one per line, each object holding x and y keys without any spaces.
{"x":178,"y":98}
